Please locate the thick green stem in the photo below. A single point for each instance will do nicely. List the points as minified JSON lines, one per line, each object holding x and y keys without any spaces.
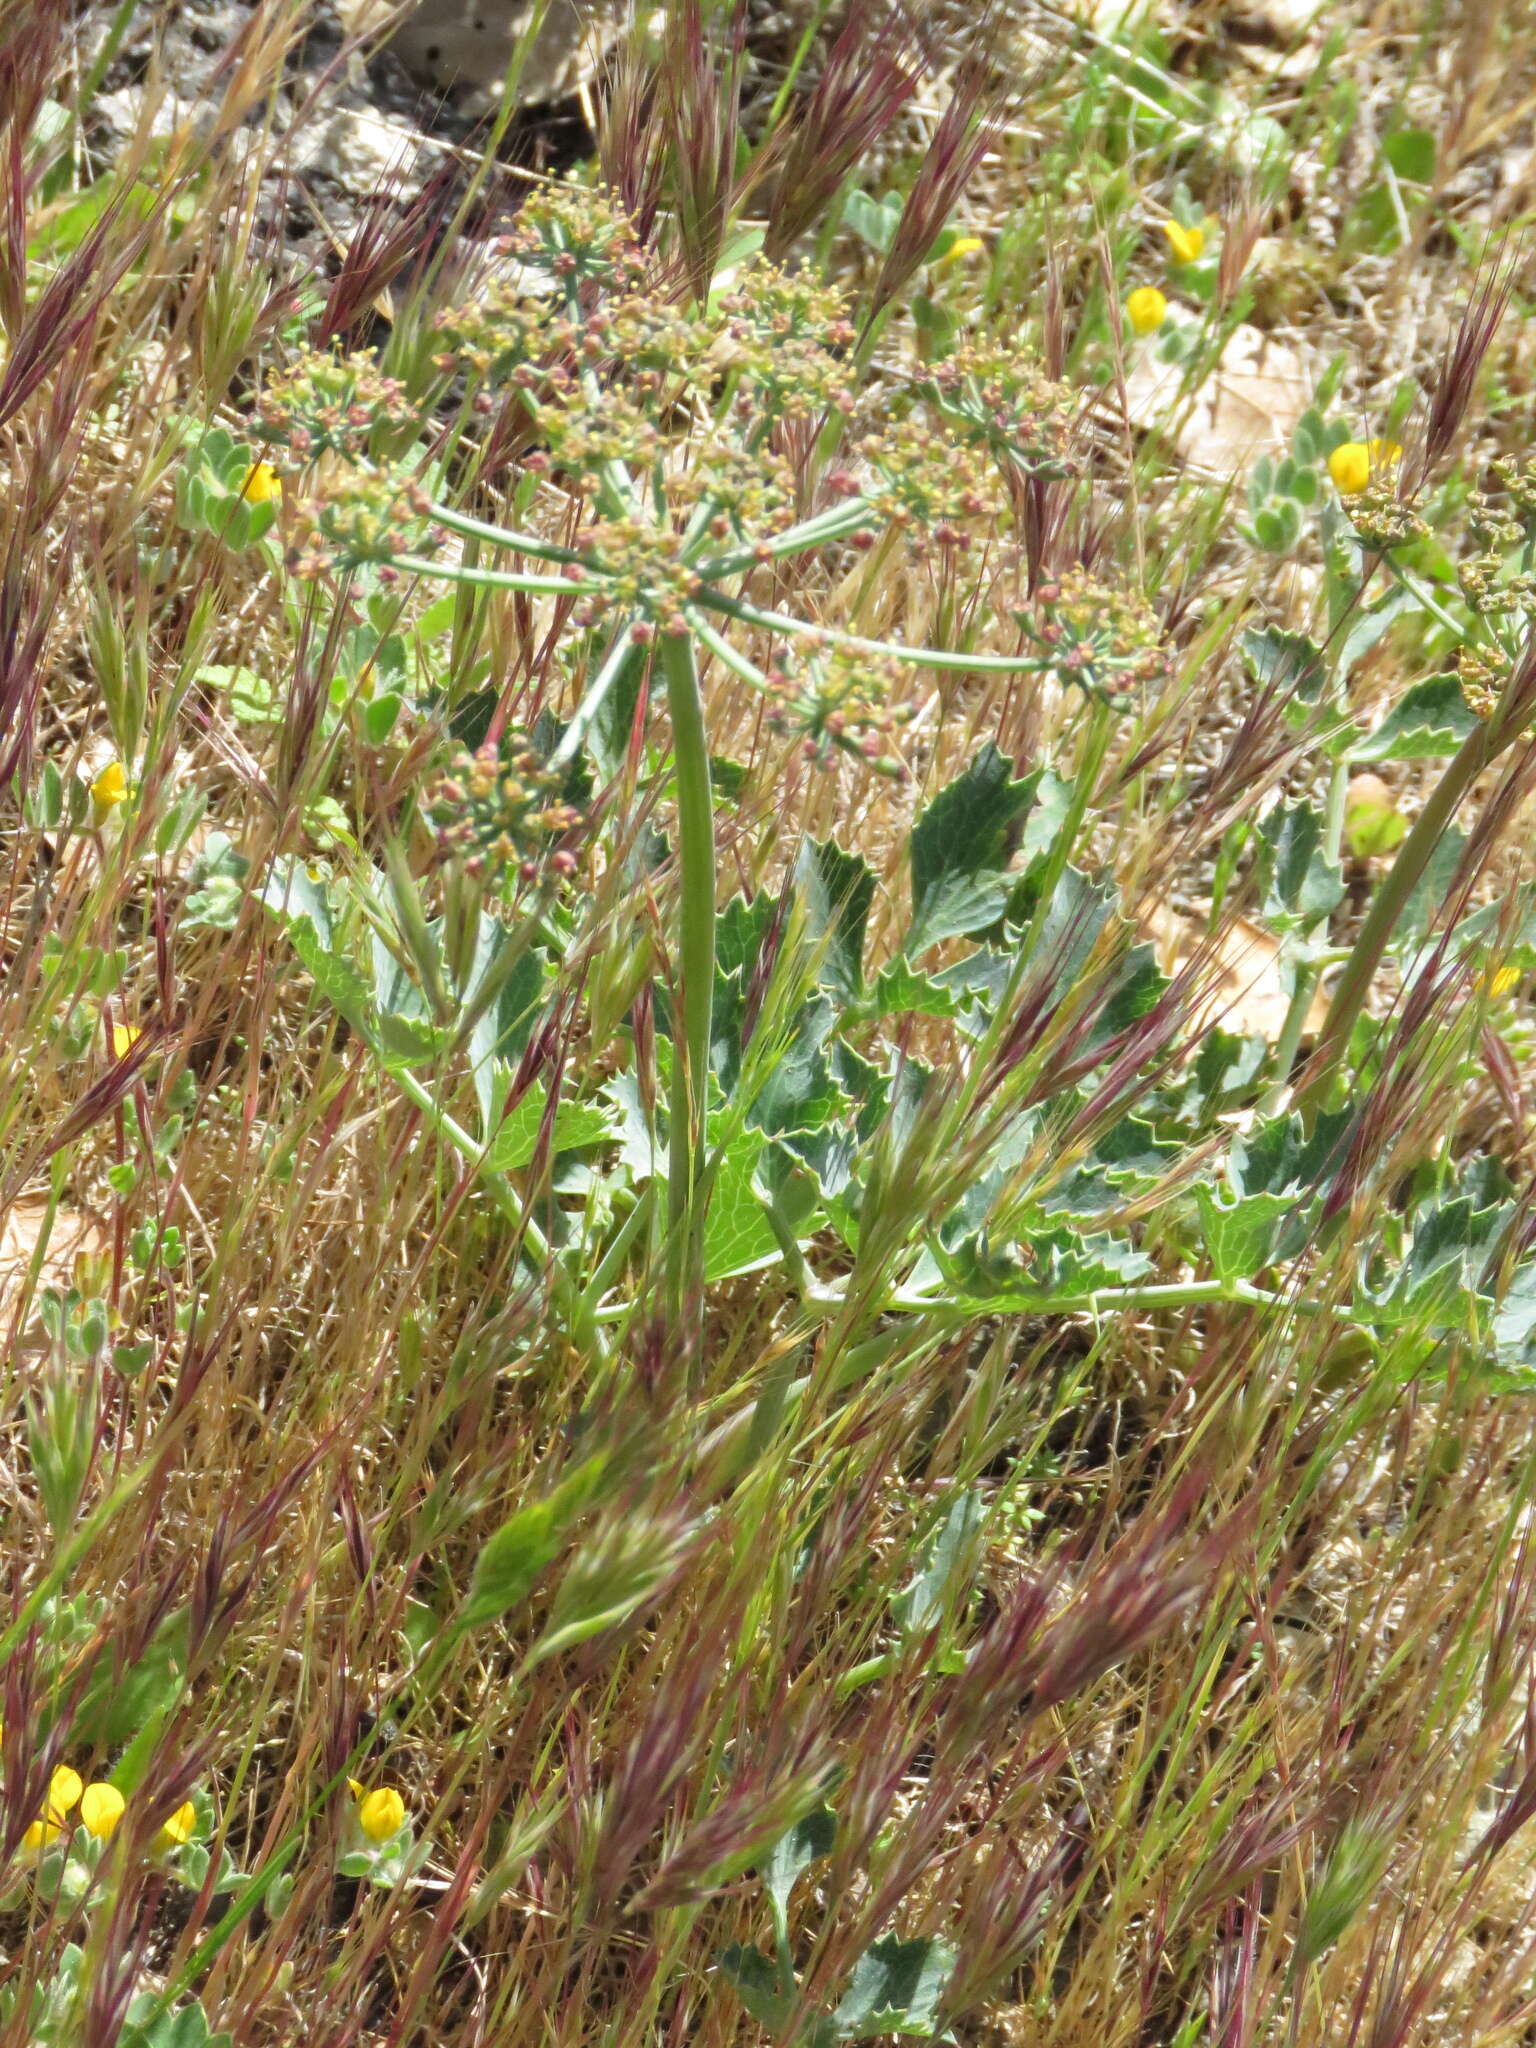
{"x":1413,"y":857}
{"x":696,"y":952}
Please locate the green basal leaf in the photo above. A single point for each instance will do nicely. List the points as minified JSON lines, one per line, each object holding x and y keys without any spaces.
{"x":516,"y":1139}
{"x":1289,"y":662}
{"x":1242,"y":1236}
{"x":1301,"y":883}
{"x":895,"y":1989}
{"x":960,"y":849}
{"x":838,"y":890}
{"x":760,"y":1984}
{"x":807,"y":1842}
{"x":1427,"y":722}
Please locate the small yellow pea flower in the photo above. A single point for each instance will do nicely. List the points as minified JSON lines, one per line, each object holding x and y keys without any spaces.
{"x":959,"y":249}
{"x":101,"y":1808}
{"x":178,"y":1828}
{"x":124,"y":1038}
{"x":64,"y":1789}
{"x":1350,"y":467}
{"x":1146,"y":309}
{"x":262,"y":484}
{"x":109,"y":789}
{"x":1499,"y":981}
{"x":1186,"y":243}
{"x":381,"y":1813}
{"x":1383,"y":453}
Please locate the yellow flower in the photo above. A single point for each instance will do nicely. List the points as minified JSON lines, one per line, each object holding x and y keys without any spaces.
{"x":64,"y":1789}
{"x":959,"y":249}
{"x":124,"y":1038}
{"x":109,"y":789}
{"x":178,"y":1828}
{"x":1383,"y":453}
{"x":1146,"y":309}
{"x":101,"y":1808}
{"x":1498,"y":981}
{"x":381,"y":1813}
{"x":262,"y":484}
{"x":1350,"y":467}
{"x":1186,"y":243}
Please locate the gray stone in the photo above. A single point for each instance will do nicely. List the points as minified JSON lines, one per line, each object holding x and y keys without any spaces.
{"x":359,"y":151}
{"x":468,"y":44}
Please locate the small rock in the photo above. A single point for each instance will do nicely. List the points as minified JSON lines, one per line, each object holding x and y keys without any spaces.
{"x":122,"y":112}
{"x":1283,"y":21}
{"x":359,"y":151}
{"x":468,"y":44}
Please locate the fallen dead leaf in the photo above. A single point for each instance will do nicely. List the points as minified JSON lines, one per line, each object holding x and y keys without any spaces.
{"x":1248,"y":995}
{"x":20,"y":1234}
{"x":1247,"y":407}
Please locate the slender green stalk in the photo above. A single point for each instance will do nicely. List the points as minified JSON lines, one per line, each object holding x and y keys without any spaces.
{"x":723,"y":651}
{"x":1424,"y":598}
{"x":505,"y":537}
{"x":1308,"y":959}
{"x":952,"y":1313}
{"x":1111,"y":1300}
{"x":495,"y":579}
{"x":696,"y":953}
{"x":101,"y":63}
{"x":924,"y":657}
{"x":810,"y":533}
{"x":621,"y":652}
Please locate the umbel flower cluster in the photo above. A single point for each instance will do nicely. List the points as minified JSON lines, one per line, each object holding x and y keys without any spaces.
{"x":680,"y":447}
{"x":1101,"y":637}
{"x":329,"y":404}
{"x":833,"y":698}
{"x":499,"y":807}
{"x":1498,"y":586}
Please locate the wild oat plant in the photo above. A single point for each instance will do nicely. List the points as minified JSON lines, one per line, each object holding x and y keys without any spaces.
{"x":668,"y":1377}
